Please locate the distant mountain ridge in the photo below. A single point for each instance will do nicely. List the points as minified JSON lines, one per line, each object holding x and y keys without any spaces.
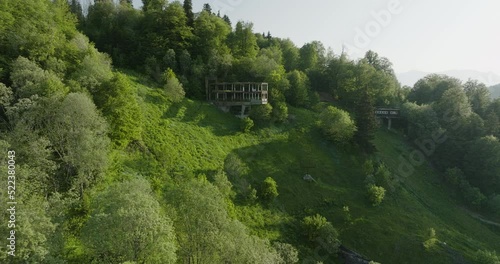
{"x":495,"y":91}
{"x":489,"y":78}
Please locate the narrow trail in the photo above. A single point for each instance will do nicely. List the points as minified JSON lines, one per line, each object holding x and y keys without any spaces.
{"x":481,"y":218}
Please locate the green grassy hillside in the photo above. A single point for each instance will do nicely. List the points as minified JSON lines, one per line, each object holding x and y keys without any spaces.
{"x":195,"y":136}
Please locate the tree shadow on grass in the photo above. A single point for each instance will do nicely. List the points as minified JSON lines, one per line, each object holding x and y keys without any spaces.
{"x":204,"y":115}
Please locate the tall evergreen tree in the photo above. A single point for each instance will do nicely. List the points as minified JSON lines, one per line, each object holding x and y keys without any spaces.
{"x":366,"y":120}
{"x":207,"y":7}
{"x":188,"y":9}
{"x":227,"y":20}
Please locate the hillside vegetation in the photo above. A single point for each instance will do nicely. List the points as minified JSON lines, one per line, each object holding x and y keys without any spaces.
{"x":117,"y":158}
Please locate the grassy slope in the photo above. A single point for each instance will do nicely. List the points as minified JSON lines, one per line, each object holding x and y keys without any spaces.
{"x":195,"y":136}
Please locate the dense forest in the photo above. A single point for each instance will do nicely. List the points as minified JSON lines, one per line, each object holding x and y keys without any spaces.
{"x":117,"y":158}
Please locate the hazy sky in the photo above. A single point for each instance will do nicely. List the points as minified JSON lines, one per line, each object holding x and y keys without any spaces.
{"x":424,"y":35}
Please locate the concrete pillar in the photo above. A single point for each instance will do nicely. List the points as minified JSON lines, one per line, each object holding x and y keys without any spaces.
{"x":243,"y":107}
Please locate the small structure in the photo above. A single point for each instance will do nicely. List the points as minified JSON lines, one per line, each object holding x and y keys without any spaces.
{"x":241,"y":94}
{"x":308,"y":178}
{"x":388,"y":113}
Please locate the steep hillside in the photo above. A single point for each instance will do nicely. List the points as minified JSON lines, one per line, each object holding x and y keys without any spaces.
{"x":196,"y":136}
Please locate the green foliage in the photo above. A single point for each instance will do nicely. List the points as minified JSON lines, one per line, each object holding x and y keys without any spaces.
{"x":376,"y":194}
{"x":6,"y":95}
{"x":246,"y":124}
{"x":29,"y":79}
{"x":261,"y":113}
{"x":36,"y":30}
{"x":234,"y":166}
{"x":205,"y":232}
{"x":291,"y":55}
{"x":431,"y":88}
{"x":453,"y":109}
{"x":472,"y":195}
{"x":173,"y":88}
{"x":494,"y":204}
{"x":482,"y":165}
{"x":455,"y":177}
{"x":127,"y":224}
{"x":188,"y":10}
{"x":242,"y":41}
{"x":430,"y":243}
{"x":479,"y":96}
{"x":311,"y":55}
{"x":384,"y":178}
{"x":94,"y":70}
{"x":288,"y":253}
{"x":269,"y":190}
{"x":368,"y":167}
{"x":118,"y":103}
{"x":312,"y":226}
{"x":422,"y":120}
{"x":33,"y":230}
{"x":337,"y":125}
{"x":321,"y":233}
{"x":486,"y":257}
{"x":223,"y":184}
{"x":298,"y":93}
{"x":280,"y":112}
{"x":78,"y":136}
{"x":210,"y":33}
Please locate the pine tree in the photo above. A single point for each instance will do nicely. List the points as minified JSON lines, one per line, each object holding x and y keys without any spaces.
{"x":227,"y":20}
{"x":366,"y":120}
{"x":188,"y":9}
{"x":208,"y":8}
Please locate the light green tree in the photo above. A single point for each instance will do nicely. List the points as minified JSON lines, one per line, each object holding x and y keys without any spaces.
{"x":173,"y":88}
{"x":126,"y":223}
{"x":205,"y":232}
{"x":242,"y":41}
{"x":376,"y":194}
{"x":288,"y":253}
{"x":119,"y":105}
{"x":269,"y":190}
{"x":78,"y":134}
{"x":337,"y":125}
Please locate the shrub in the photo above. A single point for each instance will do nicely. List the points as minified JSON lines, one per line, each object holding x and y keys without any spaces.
{"x":288,"y":253}
{"x":312,"y":225}
{"x":280,"y":112}
{"x":368,"y":167}
{"x":430,"y":243}
{"x":494,"y":204}
{"x":234,"y":166}
{"x":269,"y":190}
{"x":383,"y":176}
{"x":455,"y":177}
{"x":376,"y":194}
{"x":337,"y":125}
{"x":173,"y":88}
{"x":486,"y":257}
{"x":473,"y":196}
{"x":246,"y":124}
{"x":321,"y":232}
{"x":261,"y":113}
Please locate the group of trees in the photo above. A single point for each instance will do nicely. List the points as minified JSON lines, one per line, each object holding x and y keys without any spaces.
{"x":63,"y":109}
{"x":167,"y":36}
{"x":467,"y":119}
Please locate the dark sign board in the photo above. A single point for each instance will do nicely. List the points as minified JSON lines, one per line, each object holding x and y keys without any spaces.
{"x":387,"y":112}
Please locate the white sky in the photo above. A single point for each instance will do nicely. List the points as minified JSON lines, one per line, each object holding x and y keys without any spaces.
{"x":423,"y":35}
